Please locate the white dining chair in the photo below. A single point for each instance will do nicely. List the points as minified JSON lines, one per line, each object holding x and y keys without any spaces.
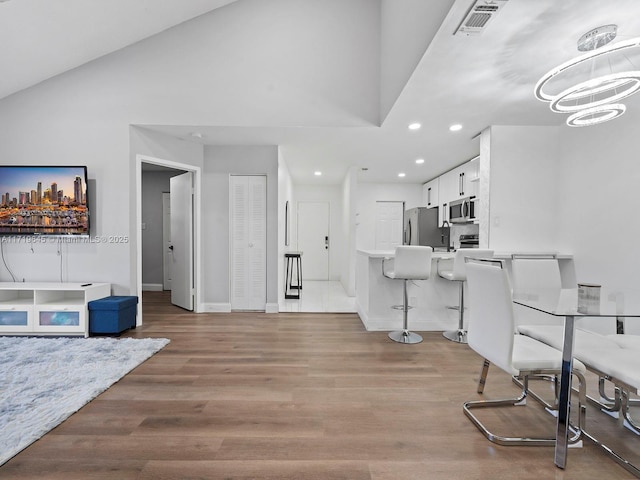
{"x":410,"y":262}
{"x":491,"y":334}
{"x":534,"y":271}
{"x":454,"y":270}
{"x":542,"y":270}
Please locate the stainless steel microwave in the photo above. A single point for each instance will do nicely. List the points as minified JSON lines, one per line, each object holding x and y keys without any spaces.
{"x":463,"y":210}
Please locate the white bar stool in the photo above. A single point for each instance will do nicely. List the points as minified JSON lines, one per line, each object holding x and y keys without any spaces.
{"x":454,"y":270}
{"x":411,"y":262}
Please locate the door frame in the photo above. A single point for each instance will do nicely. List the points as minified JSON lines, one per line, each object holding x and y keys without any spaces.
{"x":137,"y":241}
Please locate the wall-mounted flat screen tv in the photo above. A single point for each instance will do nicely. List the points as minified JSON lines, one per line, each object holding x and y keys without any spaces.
{"x":43,"y":200}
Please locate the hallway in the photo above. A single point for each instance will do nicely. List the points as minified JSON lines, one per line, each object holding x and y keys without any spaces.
{"x":320,"y":296}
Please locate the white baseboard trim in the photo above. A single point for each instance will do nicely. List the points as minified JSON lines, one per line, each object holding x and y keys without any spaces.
{"x":216,"y":307}
{"x":272,"y":308}
{"x":363,"y":316}
{"x":152,"y":287}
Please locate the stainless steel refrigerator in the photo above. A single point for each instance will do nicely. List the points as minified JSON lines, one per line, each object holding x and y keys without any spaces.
{"x":421,"y":227}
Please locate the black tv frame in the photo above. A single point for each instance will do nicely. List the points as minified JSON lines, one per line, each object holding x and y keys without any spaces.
{"x":13,"y":215}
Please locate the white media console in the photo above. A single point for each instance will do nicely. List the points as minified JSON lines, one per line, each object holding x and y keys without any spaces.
{"x":48,"y":308}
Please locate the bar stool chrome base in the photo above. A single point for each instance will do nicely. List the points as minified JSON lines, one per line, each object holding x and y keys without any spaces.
{"x":458,"y":336}
{"x":457,"y":274}
{"x":411,"y":262}
{"x":405,"y":336}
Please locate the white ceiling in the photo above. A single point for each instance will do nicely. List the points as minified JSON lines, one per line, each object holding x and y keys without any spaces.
{"x":474,"y":80}
{"x":43,"y":38}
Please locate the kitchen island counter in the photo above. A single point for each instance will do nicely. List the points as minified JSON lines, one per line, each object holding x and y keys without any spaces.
{"x":375,"y":294}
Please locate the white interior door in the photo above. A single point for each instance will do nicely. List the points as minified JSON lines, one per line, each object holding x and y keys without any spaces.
{"x":248,"y":242}
{"x":166,"y":241}
{"x":313,"y":239}
{"x":389,"y":225}
{"x":181,"y":206}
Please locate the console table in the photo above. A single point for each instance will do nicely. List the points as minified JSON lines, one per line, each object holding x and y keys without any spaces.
{"x":48,"y":308}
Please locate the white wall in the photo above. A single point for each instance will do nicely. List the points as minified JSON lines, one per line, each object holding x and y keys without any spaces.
{"x":367,"y":196}
{"x":349,"y":196}
{"x":285,"y":194}
{"x":599,"y":204}
{"x":525,"y":188}
{"x":219,"y":164}
{"x":235,"y":66}
{"x":570,"y":190}
{"x":577,"y":188}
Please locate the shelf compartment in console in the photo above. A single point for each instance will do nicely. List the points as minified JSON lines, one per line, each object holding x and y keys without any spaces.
{"x":16,"y":297}
{"x":60,"y":297}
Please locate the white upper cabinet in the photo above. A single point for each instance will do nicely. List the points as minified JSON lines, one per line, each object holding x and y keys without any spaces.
{"x":460,"y":182}
{"x":431,"y":193}
{"x":470,"y":178}
{"x":450,"y":186}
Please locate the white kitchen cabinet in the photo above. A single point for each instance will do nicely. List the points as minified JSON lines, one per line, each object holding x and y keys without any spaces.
{"x":48,"y":308}
{"x":460,"y":182}
{"x":449,"y":186}
{"x":471,"y":177}
{"x":457,"y":183}
{"x":460,"y":177}
{"x":431,"y":193}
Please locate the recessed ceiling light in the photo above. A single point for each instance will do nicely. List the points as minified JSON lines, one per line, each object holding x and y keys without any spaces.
{"x":455,"y":127}
{"x":317,"y":174}
{"x":420,"y":161}
{"x":401,"y":174}
{"x":414,"y":126}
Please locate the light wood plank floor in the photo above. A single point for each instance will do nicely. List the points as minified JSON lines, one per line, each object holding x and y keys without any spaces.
{"x":301,"y":396}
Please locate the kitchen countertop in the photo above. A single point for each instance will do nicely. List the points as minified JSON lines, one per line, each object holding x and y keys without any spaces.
{"x":502,"y":255}
{"x":391,"y":253}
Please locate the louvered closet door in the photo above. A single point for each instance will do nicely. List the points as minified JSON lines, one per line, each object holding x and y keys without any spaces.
{"x":248,"y":242}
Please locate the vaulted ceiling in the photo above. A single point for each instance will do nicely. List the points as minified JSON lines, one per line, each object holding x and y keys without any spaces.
{"x":423,"y":72}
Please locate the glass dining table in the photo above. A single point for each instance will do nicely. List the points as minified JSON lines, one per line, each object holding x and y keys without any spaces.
{"x":572,"y":304}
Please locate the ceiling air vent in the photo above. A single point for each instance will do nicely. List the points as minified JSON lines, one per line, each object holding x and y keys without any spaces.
{"x":478,"y":16}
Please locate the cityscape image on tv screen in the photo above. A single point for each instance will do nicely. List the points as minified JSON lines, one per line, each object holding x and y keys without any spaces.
{"x":43,"y":200}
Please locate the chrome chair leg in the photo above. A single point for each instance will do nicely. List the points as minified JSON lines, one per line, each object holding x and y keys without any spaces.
{"x":459,"y":335}
{"x":521,"y":400}
{"x":626,"y":403}
{"x":404,"y":335}
{"x":483,"y":375}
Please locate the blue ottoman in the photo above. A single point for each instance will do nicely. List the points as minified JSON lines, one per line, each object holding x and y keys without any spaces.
{"x":112,"y":315}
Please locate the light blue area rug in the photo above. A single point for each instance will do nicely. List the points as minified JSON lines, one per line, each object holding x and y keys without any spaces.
{"x":45,"y":380}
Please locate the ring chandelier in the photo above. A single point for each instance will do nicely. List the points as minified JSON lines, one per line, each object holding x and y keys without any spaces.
{"x":596,"y":100}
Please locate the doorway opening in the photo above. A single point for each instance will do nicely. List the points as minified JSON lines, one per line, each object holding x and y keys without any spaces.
{"x":316,"y":239}
{"x":188,"y":187}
